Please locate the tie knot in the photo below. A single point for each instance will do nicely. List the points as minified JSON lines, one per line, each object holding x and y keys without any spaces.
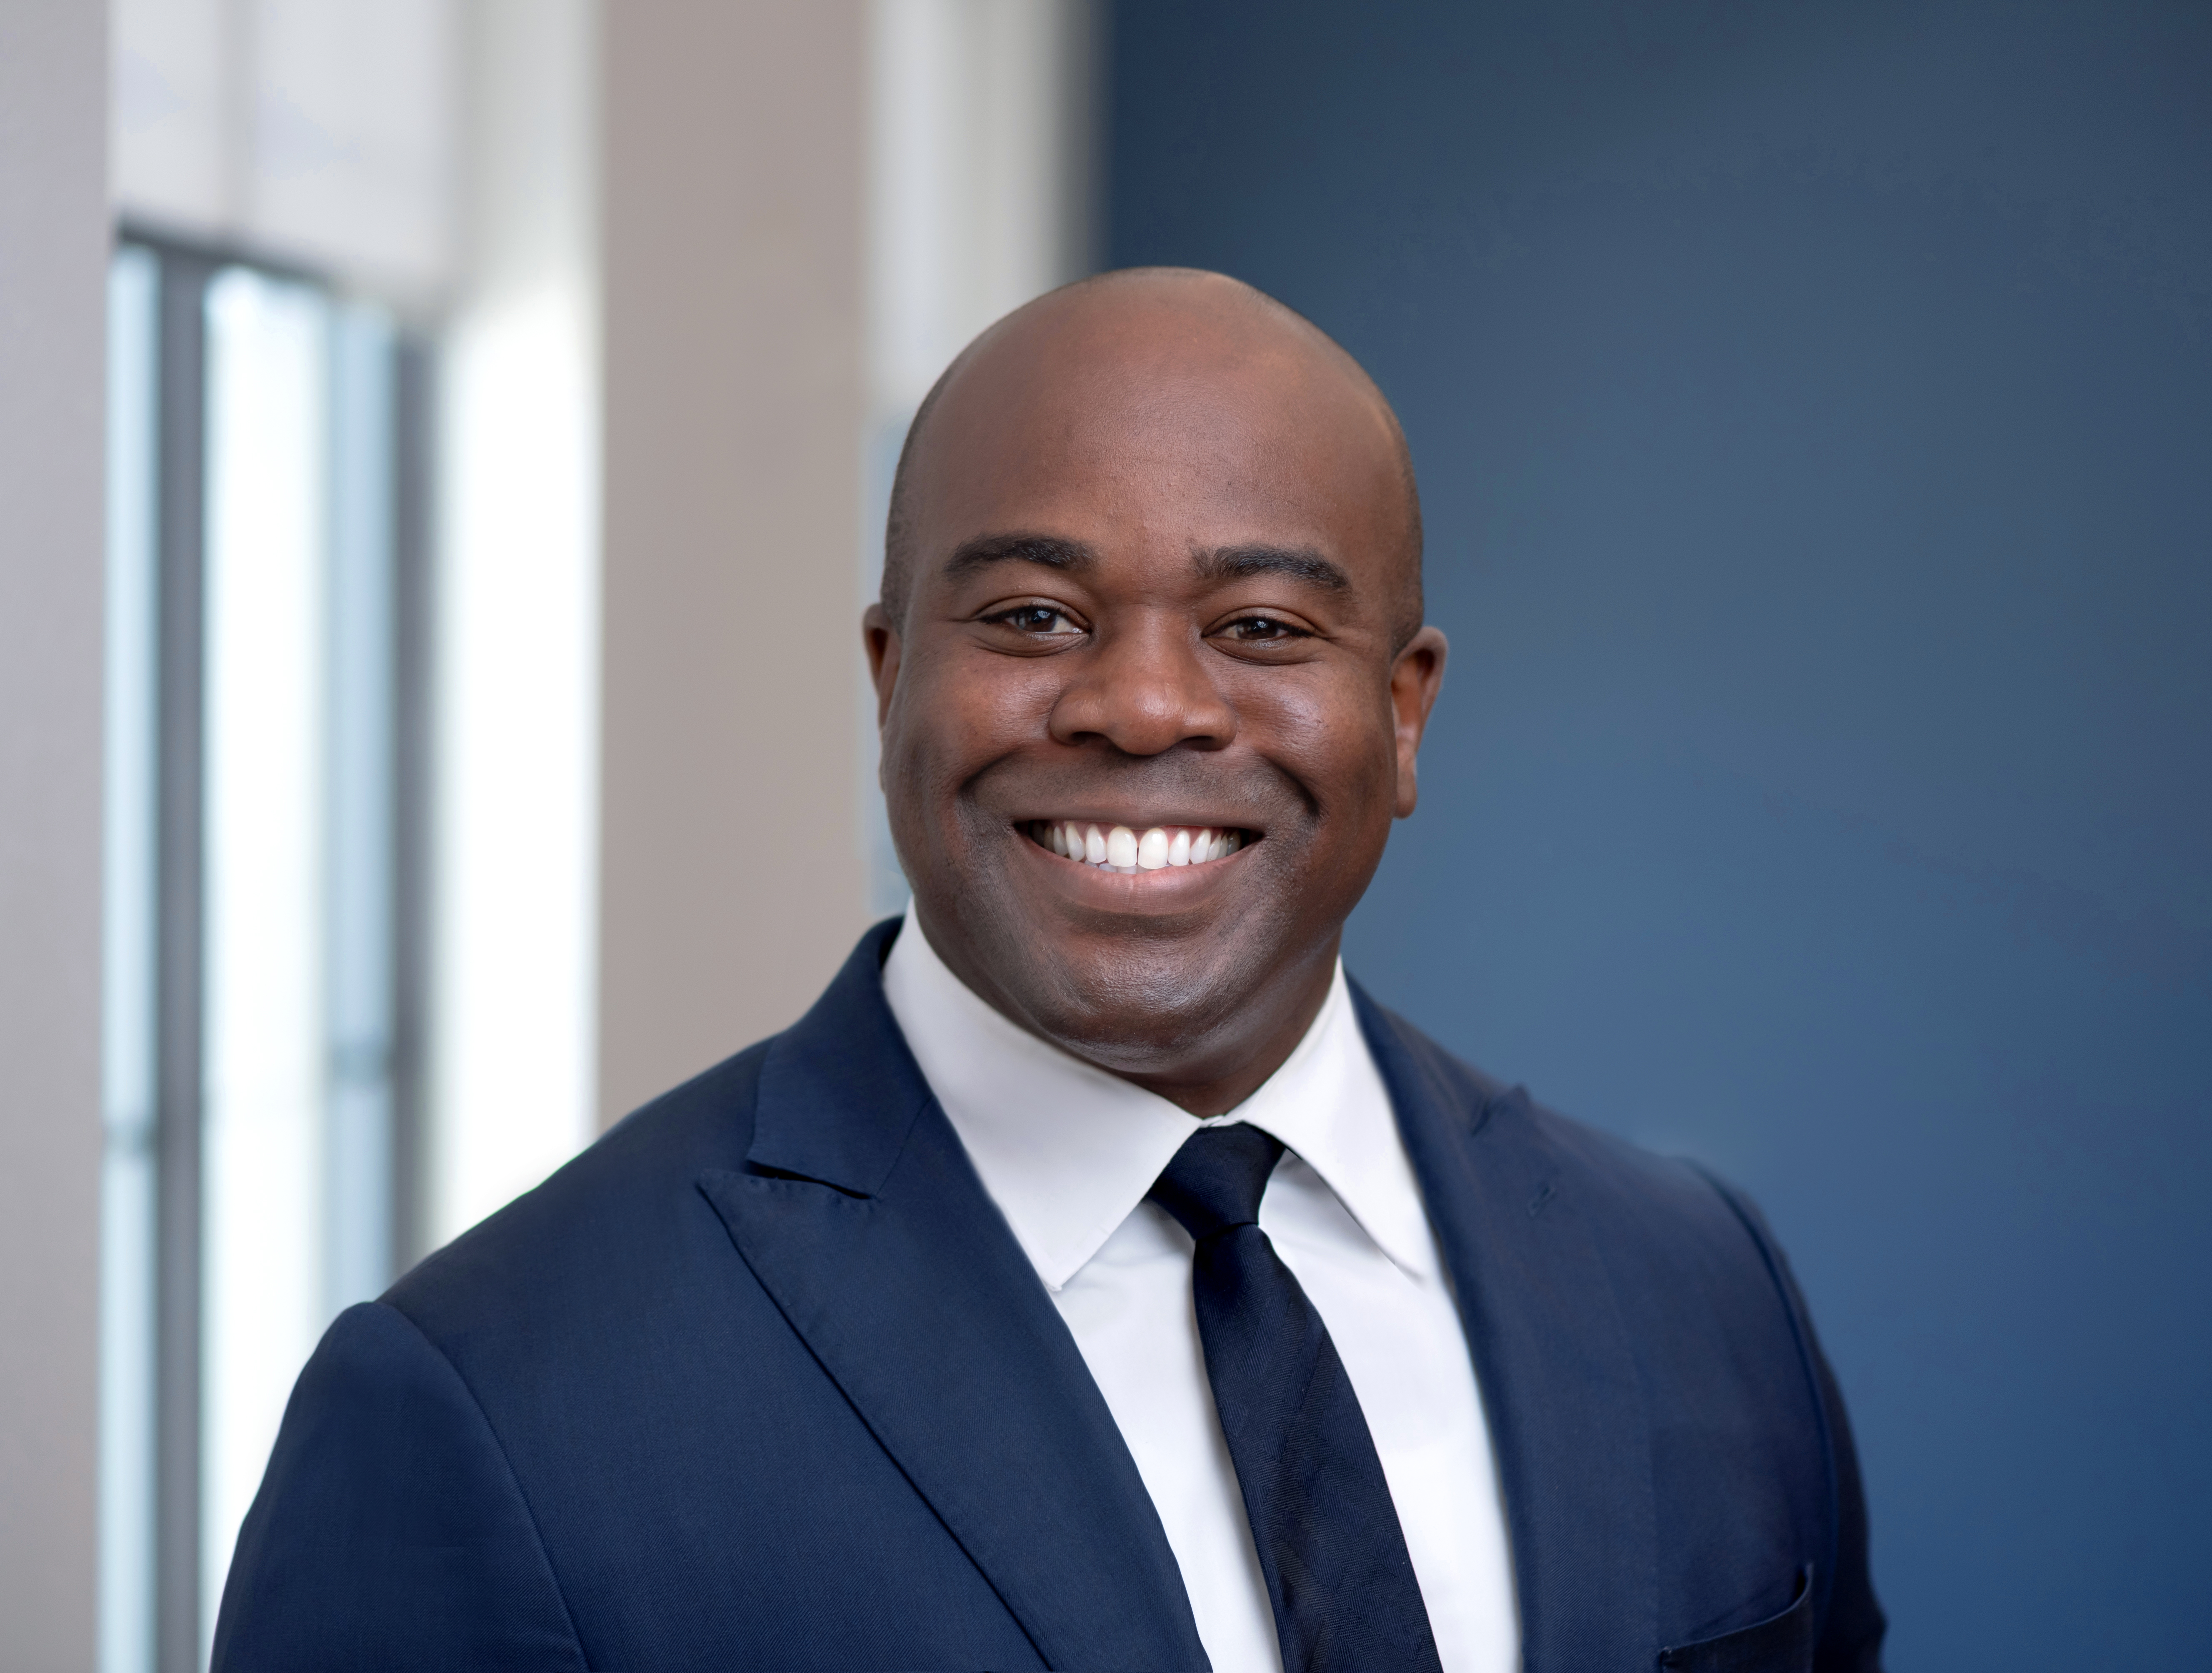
{"x":1217,"y":1178}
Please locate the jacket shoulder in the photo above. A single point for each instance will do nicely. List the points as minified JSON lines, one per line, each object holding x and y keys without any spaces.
{"x":1689,"y":1262}
{"x":600,"y":1216}
{"x":1573,"y":1153}
{"x":389,"y":1530}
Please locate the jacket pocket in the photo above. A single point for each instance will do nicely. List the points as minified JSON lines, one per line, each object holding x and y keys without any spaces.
{"x":1780,"y":1644}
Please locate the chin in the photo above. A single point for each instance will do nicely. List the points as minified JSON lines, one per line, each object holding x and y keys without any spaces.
{"x":1136,"y":1015}
{"x":1139,"y":994}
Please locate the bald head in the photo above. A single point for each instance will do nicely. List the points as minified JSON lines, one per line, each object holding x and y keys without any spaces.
{"x":1119,"y":350}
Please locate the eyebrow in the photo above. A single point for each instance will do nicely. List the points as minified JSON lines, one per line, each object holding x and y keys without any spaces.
{"x":983,"y":551}
{"x":1237,"y":563}
{"x":1223,"y":563}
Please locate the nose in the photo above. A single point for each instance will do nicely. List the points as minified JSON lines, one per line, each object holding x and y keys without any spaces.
{"x":1143,"y":688}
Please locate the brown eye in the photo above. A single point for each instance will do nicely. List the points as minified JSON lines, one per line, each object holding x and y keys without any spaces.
{"x":1259,"y":630}
{"x":1040,"y":619}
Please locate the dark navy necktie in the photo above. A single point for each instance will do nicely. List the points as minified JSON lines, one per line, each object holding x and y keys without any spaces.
{"x":1343,"y":1589}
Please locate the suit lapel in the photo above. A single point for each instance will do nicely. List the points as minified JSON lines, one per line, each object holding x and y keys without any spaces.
{"x":861,"y":1216}
{"x":1560,"y":1386}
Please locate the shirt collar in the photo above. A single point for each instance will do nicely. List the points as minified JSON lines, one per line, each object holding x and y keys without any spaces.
{"x":1067,"y":1150}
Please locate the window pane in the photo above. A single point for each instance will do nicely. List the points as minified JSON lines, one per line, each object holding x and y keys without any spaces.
{"x":364,"y":825}
{"x":265,"y":1299}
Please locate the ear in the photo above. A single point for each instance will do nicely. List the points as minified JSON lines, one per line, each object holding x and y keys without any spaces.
{"x":1416,"y":676}
{"x":881,"y":641}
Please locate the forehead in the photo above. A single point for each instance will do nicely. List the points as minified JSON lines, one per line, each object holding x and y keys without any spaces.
{"x":1133,"y":427}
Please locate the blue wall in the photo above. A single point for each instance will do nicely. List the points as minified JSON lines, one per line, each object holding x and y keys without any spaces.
{"x":1813,"y":411}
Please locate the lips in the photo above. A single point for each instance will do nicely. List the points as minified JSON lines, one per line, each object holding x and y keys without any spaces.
{"x":1126,"y":849}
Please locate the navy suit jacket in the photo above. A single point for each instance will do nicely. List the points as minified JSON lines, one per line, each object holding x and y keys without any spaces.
{"x":762,"y":1380}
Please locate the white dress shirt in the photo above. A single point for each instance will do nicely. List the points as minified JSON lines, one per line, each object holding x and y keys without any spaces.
{"x":1067,"y":1151}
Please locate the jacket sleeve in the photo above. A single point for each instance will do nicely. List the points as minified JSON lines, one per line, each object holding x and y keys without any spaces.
{"x":1850,"y":1641}
{"x":389,"y":1530}
{"x":1853,"y":1626}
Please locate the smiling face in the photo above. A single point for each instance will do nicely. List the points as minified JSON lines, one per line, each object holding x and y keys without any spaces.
{"x":1158,"y":575}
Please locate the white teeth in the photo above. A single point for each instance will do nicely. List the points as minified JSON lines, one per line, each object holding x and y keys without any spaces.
{"x":1121,"y":848}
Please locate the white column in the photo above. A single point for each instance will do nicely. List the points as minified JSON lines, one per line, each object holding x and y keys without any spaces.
{"x":53,"y":288}
{"x":517,"y":622}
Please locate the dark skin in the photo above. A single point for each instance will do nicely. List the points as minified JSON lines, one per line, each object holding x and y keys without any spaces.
{"x":1163,"y":571}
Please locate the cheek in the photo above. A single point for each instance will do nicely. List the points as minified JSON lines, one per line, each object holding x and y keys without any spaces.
{"x":954,"y":717}
{"x":1338,"y":739}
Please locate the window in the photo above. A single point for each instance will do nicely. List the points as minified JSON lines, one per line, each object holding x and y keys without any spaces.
{"x":266,"y":633}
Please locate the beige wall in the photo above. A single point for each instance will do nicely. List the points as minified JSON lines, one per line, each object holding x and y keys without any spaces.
{"x":53,"y":250}
{"x":731,"y":879}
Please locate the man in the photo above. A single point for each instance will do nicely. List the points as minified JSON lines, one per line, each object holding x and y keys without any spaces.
{"x":1094,"y":1278}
